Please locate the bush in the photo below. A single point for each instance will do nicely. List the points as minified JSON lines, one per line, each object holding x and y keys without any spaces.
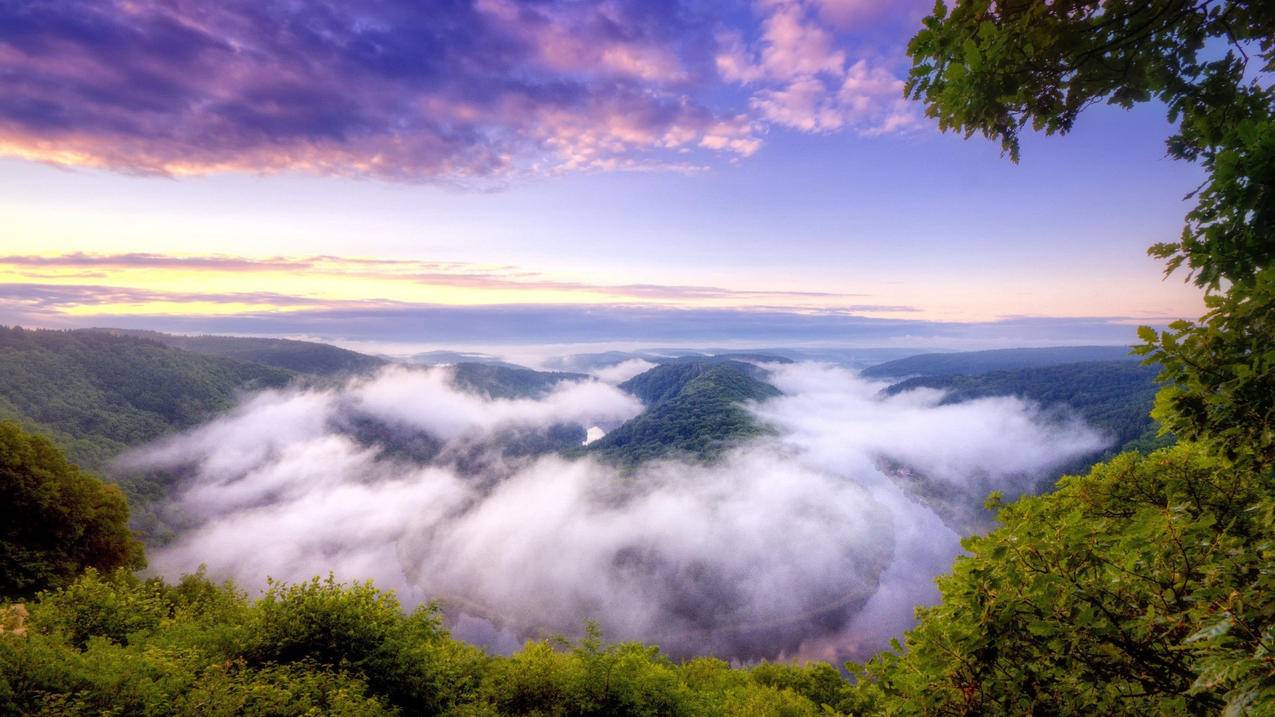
{"x":1145,"y":587}
{"x":58,"y":520}
{"x":113,"y":644}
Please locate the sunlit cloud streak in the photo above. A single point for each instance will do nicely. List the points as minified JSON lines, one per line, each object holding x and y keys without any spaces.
{"x":135,"y":260}
{"x":441,"y":91}
{"x":55,"y":297}
{"x":407,"y":300}
{"x":331,"y":282}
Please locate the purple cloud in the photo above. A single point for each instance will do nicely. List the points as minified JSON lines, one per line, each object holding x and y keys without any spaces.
{"x":443,"y":90}
{"x":141,"y":260}
{"x":54,"y":298}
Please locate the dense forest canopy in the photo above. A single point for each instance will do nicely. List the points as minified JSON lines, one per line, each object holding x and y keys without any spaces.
{"x":1115,"y":397}
{"x":58,"y":519}
{"x":693,"y":407}
{"x":969,"y":363}
{"x":306,"y":357}
{"x":97,"y":394}
{"x":500,"y":381}
{"x":114,"y":644}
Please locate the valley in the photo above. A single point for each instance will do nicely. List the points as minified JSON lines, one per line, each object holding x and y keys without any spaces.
{"x":720,"y":434}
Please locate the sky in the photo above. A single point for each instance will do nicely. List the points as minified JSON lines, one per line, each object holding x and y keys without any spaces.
{"x":476,"y":172}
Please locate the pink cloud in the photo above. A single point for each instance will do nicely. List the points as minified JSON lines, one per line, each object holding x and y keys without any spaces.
{"x":800,"y":75}
{"x":795,"y":46}
{"x":407,"y":91}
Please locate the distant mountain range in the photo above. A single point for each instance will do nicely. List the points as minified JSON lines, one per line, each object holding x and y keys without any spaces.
{"x":444,"y":358}
{"x":849,"y":358}
{"x":306,"y":357}
{"x":507,"y":380}
{"x":99,"y":392}
{"x":970,"y":363}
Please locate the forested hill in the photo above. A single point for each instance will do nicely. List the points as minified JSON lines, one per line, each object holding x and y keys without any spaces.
{"x":733,"y":380}
{"x":97,"y":393}
{"x":729,"y":356}
{"x":969,"y":363}
{"x":505,"y":381}
{"x":301,"y":356}
{"x":692,"y":408}
{"x":1114,"y":396}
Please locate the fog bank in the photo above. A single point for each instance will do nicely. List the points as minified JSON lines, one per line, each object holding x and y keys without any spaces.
{"x":816,"y":541}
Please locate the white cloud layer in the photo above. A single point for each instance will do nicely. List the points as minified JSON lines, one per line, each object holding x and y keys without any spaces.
{"x":623,"y":371}
{"x":809,"y":543}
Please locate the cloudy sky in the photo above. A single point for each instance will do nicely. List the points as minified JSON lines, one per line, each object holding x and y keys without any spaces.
{"x":391,"y":169}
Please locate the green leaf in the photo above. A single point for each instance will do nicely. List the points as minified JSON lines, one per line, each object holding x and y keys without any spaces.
{"x":973,"y":58}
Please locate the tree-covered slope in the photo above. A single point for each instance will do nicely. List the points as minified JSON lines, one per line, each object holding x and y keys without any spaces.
{"x":306,"y":357}
{"x":97,"y":394}
{"x":503,"y":381}
{"x":1145,"y":587}
{"x":725,"y":356}
{"x":448,"y":358}
{"x":666,"y":381}
{"x":113,"y":644}
{"x":1113,"y":396}
{"x":692,"y":408}
{"x":58,"y":519}
{"x":976,"y":362}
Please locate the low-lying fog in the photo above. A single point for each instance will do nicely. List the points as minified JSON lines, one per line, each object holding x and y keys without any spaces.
{"x":815,"y":542}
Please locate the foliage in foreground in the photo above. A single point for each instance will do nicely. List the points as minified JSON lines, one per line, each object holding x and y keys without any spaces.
{"x":1145,"y":587}
{"x":112,"y":644}
{"x":58,"y":520}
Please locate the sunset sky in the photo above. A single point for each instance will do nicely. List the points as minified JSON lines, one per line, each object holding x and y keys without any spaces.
{"x":495,"y":170}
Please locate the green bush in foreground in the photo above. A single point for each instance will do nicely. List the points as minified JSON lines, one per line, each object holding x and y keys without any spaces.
{"x":114,"y":644}
{"x":1145,"y":587}
{"x":58,"y":520}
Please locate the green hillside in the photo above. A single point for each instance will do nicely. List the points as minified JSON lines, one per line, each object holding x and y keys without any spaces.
{"x":97,"y":394}
{"x":300,"y":356}
{"x":719,"y":357}
{"x":503,"y":381}
{"x":976,"y":362}
{"x":1112,"y":396}
{"x":691,"y":409}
